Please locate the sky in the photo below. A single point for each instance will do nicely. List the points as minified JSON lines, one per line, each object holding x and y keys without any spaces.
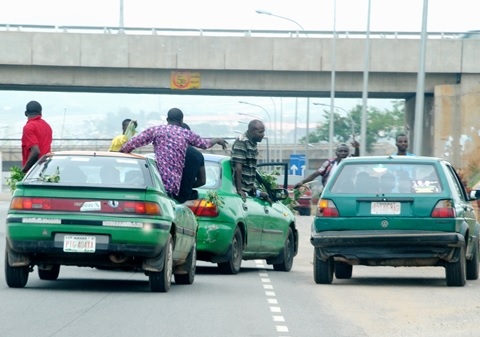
{"x":347,"y":15}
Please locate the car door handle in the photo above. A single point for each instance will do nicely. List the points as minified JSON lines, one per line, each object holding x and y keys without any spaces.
{"x":245,"y":207}
{"x":266,"y":210}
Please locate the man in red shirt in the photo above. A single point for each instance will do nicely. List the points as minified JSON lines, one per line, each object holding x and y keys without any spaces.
{"x":36,"y":137}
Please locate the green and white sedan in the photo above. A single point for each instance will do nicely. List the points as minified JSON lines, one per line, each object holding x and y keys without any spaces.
{"x":105,"y":210}
{"x":231,"y":230}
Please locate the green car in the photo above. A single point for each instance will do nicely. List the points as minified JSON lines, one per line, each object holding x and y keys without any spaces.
{"x":105,"y":210}
{"x":231,"y":230}
{"x":395,"y":211}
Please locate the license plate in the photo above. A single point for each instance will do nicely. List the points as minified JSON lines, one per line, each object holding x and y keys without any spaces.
{"x":79,"y":244}
{"x":385,"y":208}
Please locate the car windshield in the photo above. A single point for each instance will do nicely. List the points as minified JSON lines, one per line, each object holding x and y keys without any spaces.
{"x":385,"y":178}
{"x":90,"y":170}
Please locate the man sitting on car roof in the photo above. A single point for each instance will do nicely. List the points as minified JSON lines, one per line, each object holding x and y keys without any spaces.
{"x":170,"y":143}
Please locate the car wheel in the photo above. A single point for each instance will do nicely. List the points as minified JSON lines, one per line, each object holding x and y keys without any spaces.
{"x":288,"y":252}
{"x":16,"y":277}
{"x":322,"y":270}
{"x":234,"y":264}
{"x":49,"y":274}
{"x":455,"y":271}
{"x":472,"y":264}
{"x":343,"y":270}
{"x":190,"y":266}
{"x":161,"y":281}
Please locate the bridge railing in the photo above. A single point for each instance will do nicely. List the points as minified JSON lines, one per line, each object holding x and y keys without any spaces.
{"x":225,"y":32}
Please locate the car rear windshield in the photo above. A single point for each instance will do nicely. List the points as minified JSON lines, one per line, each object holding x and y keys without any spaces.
{"x":91,"y":170}
{"x":384,"y":178}
{"x":213,"y":173}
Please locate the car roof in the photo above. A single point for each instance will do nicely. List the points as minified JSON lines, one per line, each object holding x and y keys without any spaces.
{"x":97,"y":153}
{"x":393,"y":159}
{"x":215,"y":157}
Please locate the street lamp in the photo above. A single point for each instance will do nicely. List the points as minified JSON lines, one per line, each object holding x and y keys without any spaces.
{"x":332,"y":85}
{"x":259,"y":11}
{"x":266,"y":138}
{"x":296,"y":100}
{"x":349,"y":115}
{"x":258,"y":106}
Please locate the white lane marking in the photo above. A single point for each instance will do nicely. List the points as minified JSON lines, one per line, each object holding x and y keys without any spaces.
{"x":275,"y":309}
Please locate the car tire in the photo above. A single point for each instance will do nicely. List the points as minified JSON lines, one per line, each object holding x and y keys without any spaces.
{"x":161,"y":281}
{"x":322,"y":270}
{"x":472,"y":264}
{"x":16,"y":277}
{"x":343,"y":270}
{"x":455,"y":272}
{"x":49,"y":274}
{"x":190,"y":266}
{"x":288,"y":253}
{"x":233,"y":266}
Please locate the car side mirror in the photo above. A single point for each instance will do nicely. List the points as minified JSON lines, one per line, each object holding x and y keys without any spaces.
{"x":474,"y":194}
{"x":280,"y":194}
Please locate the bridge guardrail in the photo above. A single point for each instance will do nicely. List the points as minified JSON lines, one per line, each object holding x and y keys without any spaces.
{"x":226,"y":32}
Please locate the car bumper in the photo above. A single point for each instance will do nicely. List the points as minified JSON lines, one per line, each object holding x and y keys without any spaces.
{"x":365,"y":247}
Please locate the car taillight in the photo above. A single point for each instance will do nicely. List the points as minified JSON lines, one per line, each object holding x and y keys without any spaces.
{"x":140,"y":207}
{"x":21,"y":203}
{"x":444,"y":209}
{"x":326,"y":208}
{"x":202,"y":207}
{"x":83,"y":205}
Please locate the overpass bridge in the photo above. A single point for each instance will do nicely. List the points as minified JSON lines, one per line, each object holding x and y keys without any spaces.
{"x":258,"y":63}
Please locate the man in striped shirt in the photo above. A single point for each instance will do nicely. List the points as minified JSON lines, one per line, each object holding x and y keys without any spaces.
{"x":244,"y":160}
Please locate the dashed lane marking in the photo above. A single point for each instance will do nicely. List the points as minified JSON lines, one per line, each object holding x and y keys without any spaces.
{"x":272,"y":301}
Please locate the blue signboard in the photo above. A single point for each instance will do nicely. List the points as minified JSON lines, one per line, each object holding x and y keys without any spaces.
{"x":296,"y":165}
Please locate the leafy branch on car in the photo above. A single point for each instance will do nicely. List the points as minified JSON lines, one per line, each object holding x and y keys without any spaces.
{"x":214,"y":198}
{"x":16,"y":175}
{"x":270,"y":181}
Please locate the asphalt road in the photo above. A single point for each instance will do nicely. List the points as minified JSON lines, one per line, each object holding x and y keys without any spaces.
{"x":258,"y":302}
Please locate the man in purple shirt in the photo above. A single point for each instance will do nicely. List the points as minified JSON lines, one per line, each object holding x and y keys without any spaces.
{"x":170,"y":144}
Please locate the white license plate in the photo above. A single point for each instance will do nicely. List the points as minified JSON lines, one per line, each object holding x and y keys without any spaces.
{"x":385,"y":208}
{"x":79,"y":244}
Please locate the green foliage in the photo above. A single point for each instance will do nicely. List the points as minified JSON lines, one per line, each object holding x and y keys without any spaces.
{"x":270,"y":181}
{"x":16,"y":175}
{"x":214,"y":198}
{"x":380,"y":125}
{"x":54,"y":178}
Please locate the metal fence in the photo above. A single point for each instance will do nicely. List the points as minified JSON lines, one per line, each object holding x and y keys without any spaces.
{"x":226,"y":32}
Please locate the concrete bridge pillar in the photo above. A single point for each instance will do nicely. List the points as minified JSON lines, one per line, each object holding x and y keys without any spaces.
{"x":456,"y":126}
{"x":427,"y":128}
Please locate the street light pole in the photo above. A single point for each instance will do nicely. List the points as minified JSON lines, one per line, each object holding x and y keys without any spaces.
{"x":349,"y":115}
{"x":275,"y":154}
{"x":296,"y":100}
{"x":419,"y":101}
{"x":366,"y":69}
{"x":259,"y":11}
{"x":121,"y":24}
{"x":332,"y":85}
{"x":306,"y":139}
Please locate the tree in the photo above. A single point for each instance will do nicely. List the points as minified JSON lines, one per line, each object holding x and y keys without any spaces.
{"x":381,"y":125}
